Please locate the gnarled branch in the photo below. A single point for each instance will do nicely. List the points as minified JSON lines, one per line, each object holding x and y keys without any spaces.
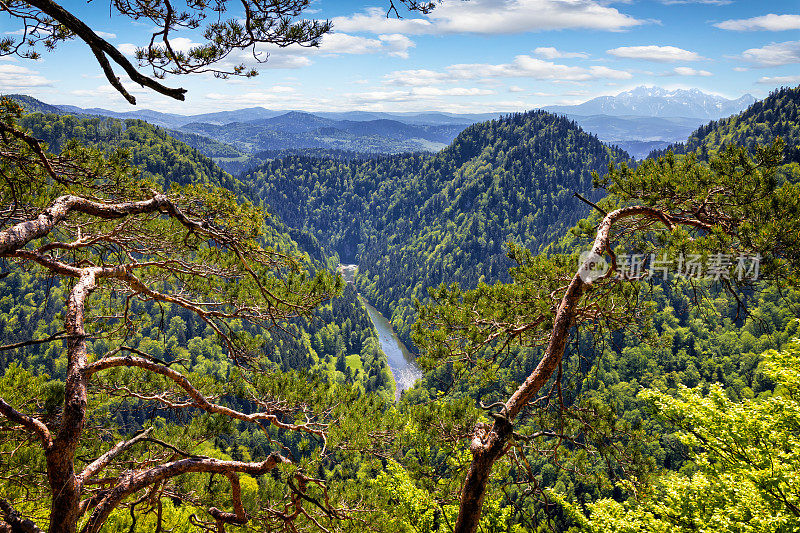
{"x":135,"y":481}
{"x":28,"y":422}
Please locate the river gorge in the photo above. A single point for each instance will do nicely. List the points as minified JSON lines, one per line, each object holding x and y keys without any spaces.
{"x":402,"y":362}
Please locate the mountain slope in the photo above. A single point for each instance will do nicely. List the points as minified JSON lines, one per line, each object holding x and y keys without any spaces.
{"x":296,"y":130}
{"x":412,"y":221}
{"x":340,"y":328}
{"x":32,"y":105}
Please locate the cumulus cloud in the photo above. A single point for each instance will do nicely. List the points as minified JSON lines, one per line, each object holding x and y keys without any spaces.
{"x":396,"y":44}
{"x":342,"y":43}
{"x":415,"y":94}
{"x":16,"y":78}
{"x":779,"y":80}
{"x":129,"y":49}
{"x":705,"y":2}
{"x":687,"y":71}
{"x":769,"y":22}
{"x":549,"y":52}
{"x":773,"y":55}
{"x":523,"y":66}
{"x":665,"y":54}
{"x":106,"y":35}
{"x":332,"y":44}
{"x":493,"y":17}
{"x":180,"y":44}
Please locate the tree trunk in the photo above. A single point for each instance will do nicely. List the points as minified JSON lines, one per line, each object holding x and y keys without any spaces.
{"x":64,"y":484}
{"x":488,"y":446}
{"x":487,"y":450}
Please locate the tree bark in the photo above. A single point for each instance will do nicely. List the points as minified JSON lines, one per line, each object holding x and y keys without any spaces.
{"x":489,"y":446}
{"x":65,"y":486}
{"x":135,"y":481}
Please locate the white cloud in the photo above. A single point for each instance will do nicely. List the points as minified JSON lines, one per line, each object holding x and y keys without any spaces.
{"x":420,"y":77}
{"x":493,"y":17}
{"x":396,"y":44}
{"x":107,"y":92}
{"x":452,"y":91}
{"x":609,"y":73}
{"x":523,"y":66}
{"x":180,"y":44}
{"x":779,"y":80}
{"x":687,"y":71}
{"x":393,"y":44}
{"x":129,"y":49}
{"x":769,"y":22}
{"x":332,"y":44}
{"x":380,"y":96}
{"x":269,"y":97}
{"x":18,"y":78}
{"x":283,"y":59}
{"x":106,"y":35}
{"x":655,"y":53}
{"x":515,"y":89}
{"x":705,"y":2}
{"x":374,"y":20}
{"x":774,"y":55}
{"x":414,"y":94}
{"x":549,"y":52}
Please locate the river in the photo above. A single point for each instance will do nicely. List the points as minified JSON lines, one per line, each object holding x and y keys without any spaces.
{"x":402,"y":362}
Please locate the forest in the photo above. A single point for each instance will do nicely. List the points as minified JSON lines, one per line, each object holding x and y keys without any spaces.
{"x":607,"y":345}
{"x":639,"y":401}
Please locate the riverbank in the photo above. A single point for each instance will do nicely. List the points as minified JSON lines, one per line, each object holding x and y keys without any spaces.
{"x":402,"y":362}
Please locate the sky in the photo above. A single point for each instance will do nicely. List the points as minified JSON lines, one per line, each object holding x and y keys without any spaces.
{"x":464,"y":57}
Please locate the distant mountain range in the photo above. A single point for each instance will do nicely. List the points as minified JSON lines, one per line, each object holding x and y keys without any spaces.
{"x":650,"y":118}
{"x":251,"y":114}
{"x":638,"y":121}
{"x":657,"y":102}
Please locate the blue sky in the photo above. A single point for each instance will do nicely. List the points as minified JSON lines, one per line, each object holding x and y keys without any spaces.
{"x":473,"y":56}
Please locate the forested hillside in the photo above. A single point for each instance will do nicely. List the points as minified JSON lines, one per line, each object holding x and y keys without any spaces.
{"x":592,"y":448}
{"x":340,"y":330}
{"x":412,"y":222}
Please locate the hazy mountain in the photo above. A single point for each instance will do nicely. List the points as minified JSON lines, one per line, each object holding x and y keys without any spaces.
{"x":658,"y":102}
{"x":638,"y":135}
{"x":252,"y":114}
{"x":639,"y":121}
{"x":298,"y":130}
{"x":431,"y":118}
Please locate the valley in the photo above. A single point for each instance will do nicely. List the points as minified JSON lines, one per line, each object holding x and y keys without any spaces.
{"x":460,"y":254}
{"x":440,"y":266}
{"x":402,"y":362}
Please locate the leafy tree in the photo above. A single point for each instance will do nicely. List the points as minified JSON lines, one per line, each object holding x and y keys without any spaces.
{"x":744,"y":461}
